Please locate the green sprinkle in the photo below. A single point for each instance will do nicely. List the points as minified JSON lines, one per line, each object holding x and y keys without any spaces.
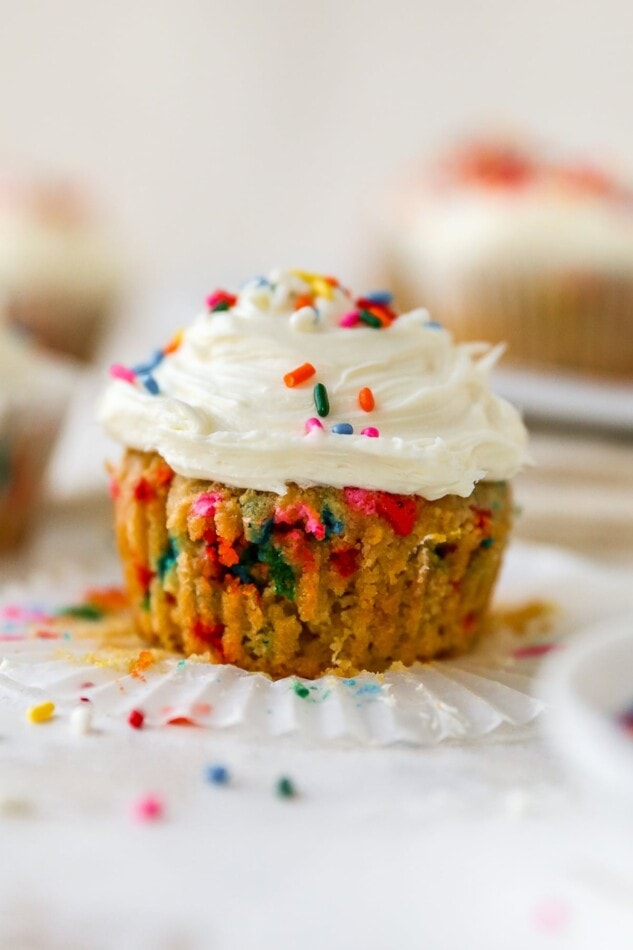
{"x":82,"y":612}
{"x":370,"y":319}
{"x":321,"y":400}
{"x":180,"y":665}
{"x":220,"y":306}
{"x":486,"y":543}
{"x":300,"y":690}
{"x":285,"y":788}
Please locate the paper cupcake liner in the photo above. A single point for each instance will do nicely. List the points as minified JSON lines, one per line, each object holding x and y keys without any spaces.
{"x":490,"y":691}
{"x":579,"y":322}
{"x":46,"y":656}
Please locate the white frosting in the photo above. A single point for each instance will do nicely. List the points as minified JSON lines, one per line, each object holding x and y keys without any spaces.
{"x":225,"y":414}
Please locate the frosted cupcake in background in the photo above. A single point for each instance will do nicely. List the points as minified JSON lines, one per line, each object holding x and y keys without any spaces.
{"x":59,"y":278}
{"x":35,"y":390}
{"x":507,"y":246}
{"x":311,"y":482}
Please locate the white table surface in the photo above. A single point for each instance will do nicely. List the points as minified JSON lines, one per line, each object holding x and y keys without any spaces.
{"x":487,"y":844}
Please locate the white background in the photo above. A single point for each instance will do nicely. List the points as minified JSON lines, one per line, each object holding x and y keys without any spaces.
{"x":227,"y":137}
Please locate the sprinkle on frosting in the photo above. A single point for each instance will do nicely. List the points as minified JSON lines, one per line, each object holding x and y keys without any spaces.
{"x":299,"y":375}
{"x":366,"y":399}
{"x":220,"y":401}
{"x":321,"y":400}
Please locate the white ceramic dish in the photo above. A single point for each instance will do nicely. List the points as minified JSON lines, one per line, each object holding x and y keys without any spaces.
{"x":589,"y":686}
{"x":566,"y":398}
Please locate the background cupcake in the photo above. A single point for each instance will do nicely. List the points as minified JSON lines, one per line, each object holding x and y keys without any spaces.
{"x":311,"y":481}
{"x":59,"y":279}
{"x":509,"y":246}
{"x":35,"y":389}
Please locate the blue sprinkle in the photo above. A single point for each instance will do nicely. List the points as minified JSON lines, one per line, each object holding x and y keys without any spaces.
{"x":218,"y":775}
{"x":379,"y":296}
{"x":433,"y":325}
{"x":343,"y":428}
{"x":486,"y":543}
{"x":143,"y":369}
{"x":151,"y":385}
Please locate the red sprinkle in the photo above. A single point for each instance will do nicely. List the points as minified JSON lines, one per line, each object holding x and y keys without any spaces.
{"x":299,"y":375}
{"x":221,"y":300}
{"x":143,"y":491}
{"x":534,"y":649}
{"x":136,"y":719}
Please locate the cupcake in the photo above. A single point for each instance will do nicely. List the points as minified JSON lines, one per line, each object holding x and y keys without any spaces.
{"x":503,"y":245}
{"x":311,"y":482}
{"x":34,"y":393}
{"x":58,"y":275}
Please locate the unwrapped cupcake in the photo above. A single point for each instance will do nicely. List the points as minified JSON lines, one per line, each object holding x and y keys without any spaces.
{"x":311,"y":482}
{"x":59,"y":276}
{"x":506,"y":245}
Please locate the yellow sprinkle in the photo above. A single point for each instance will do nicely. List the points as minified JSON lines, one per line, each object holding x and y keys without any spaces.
{"x":41,"y":713}
{"x":322,"y":288}
{"x":306,"y":275}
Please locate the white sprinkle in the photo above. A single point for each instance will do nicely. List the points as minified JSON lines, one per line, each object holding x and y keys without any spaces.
{"x":304,"y":320}
{"x":81,"y":719}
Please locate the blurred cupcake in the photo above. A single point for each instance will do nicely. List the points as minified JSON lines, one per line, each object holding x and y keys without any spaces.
{"x":58,"y":275}
{"x":505,"y":246}
{"x":34,"y":392}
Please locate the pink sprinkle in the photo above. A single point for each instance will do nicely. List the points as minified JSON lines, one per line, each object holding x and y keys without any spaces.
{"x":349,"y":319}
{"x":361,"y":500}
{"x":205,"y":504}
{"x":535,"y":649}
{"x":147,"y":808}
{"x":118,"y":371}
{"x":552,"y":916}
{"x":301,"y":512}
{"x":313,"y":423}
{"x":370,"y":431}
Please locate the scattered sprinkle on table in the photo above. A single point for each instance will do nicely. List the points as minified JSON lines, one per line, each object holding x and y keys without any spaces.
{"x":285,"y":787}
{"x":41,"y":713}
{"x":81,"y":719}
{"x":147,"y":808}
{"x":218,"y":774}
{"x":136,"y":719}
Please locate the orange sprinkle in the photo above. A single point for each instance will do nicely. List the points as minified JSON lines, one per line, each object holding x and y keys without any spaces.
{"x":366,"y":399}
{"x":380,"y":313}
{"x":174,"y":343}
{"x":303,"y":301}
{"x":299,"y":375}
{"x":143,"y":661}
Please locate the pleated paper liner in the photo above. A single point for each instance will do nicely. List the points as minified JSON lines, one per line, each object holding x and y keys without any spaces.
{"x":89,"y":651}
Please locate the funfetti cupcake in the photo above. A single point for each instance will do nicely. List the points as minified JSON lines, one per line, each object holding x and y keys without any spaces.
{"x":509,"y":246}
{"x":59,"y":276}
{"x":311,"y":482}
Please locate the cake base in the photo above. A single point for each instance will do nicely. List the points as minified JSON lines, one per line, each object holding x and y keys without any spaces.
{"x":314,"y":581}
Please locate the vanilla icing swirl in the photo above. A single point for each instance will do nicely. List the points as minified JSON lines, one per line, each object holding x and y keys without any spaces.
{"x":223,"y":413}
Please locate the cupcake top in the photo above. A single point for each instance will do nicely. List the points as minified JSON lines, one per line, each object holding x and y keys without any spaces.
{"x":50,"y":243}
{"x":293,"y":379}
{"x":493,"y":204}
